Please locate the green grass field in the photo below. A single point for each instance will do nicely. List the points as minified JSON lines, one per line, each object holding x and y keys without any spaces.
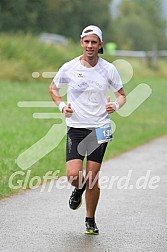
{"x":20,"y":55}
{"x":19,"y":130}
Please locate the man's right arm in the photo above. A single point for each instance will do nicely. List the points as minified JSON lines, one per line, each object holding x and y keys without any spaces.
{"x":56,"y":97}
{"x":54,"y":92}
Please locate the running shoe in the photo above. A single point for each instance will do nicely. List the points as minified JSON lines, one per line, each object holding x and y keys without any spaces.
{"x":75,"y":200}
{"x":91,"y":228}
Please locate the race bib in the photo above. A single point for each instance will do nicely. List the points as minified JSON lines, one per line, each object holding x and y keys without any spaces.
{"x":104,"y":134}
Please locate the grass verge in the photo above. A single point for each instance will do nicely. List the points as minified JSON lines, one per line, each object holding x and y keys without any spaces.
{"x":19,"y":130}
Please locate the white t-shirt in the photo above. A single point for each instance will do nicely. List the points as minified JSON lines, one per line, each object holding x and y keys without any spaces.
{"x":86,"y":91}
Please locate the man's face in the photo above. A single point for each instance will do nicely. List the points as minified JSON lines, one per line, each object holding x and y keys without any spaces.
{"x":91,"y":44}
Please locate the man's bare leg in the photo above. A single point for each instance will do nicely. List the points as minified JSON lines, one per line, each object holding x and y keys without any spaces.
{"x":92,"y":193}
{"x":74,"y":169}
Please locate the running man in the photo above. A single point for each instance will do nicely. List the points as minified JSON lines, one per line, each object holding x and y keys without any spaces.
{"x":87,"y":78}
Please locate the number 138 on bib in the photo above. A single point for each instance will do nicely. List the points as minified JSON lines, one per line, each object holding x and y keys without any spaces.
{"x":104,"y":133}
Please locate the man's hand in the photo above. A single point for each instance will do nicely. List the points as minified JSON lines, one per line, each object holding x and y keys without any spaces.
{"x":67,"y":110}
{"x":110,"y":106}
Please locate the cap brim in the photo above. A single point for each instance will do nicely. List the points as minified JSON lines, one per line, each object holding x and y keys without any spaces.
{"x":100,"y":50}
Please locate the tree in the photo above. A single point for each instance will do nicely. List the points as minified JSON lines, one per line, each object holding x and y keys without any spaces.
{"x":140,"y":26}
{"x":22,"y":15}
{"x":58,"y":16}
{"x":70,"y":17}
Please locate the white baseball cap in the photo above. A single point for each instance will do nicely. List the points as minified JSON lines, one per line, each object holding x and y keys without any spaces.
{"x":92,"y":29}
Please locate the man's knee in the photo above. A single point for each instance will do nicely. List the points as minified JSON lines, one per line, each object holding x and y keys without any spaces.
{"x":74,"y":168}
{"x":92,"y":179}
{"x":73,"y":174}
{"x":75,"y":178}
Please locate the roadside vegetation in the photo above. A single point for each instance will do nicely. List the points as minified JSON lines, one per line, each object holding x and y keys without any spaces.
{"x":20,"y":55}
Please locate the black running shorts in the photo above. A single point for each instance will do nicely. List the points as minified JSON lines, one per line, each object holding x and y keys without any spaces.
{"x":82,"y":142}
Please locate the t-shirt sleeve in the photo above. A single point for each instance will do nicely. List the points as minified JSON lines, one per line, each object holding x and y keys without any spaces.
{"x":61,"y":78}
{"x":115,"y":82}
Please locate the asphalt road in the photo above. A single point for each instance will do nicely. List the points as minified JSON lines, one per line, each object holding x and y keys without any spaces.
{"x":131,"y":215}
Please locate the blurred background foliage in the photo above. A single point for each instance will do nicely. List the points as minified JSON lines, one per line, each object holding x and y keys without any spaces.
{"x":138,"y":25}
